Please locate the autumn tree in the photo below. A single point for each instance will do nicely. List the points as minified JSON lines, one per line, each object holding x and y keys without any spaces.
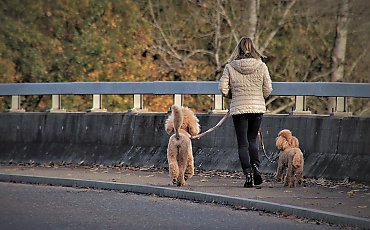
{"x":191,"y":40}
{"x":296,"y":36}
{"x":57,"y":41}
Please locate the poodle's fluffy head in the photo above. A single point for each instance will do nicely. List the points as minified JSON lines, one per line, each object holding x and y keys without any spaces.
{"x":190,"y":122}
{"x":286,"y":140}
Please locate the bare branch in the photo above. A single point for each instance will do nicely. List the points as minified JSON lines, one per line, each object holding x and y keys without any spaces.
{"x":317,"y":77}
{"x":354,"y":64}
{"x":172,"y":50}
{"x":278,"y":110}
{"x":199,"y":51}
{"x":271,"y":99}
{"x":217,"y":42}
{"x":233,"y":32}
{"x":158,"y":47}
{"x":279,"y":25}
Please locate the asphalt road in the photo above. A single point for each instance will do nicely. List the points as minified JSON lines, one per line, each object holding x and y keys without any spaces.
{"x":45,"y":207}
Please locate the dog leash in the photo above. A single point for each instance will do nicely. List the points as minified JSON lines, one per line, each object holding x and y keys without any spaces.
{"x":213,"y":128}
{"x":270,"y":159}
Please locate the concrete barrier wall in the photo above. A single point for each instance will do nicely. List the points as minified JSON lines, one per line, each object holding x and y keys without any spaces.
{"x":334,"y":147}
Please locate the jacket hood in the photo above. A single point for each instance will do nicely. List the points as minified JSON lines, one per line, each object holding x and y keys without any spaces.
{"x":246,"y":66}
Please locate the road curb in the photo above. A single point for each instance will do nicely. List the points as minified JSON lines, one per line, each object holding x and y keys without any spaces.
{"x":307,"y":213}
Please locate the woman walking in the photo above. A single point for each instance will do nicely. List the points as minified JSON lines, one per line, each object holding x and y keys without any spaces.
{"x":246,"y":80}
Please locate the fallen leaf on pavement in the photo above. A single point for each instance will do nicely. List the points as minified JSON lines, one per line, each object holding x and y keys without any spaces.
{"x":350,"y":194}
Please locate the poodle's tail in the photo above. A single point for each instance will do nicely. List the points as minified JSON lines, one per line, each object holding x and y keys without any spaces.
{"x":177,"y":119}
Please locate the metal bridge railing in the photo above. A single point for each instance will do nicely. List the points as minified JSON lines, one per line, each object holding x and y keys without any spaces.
{"x":300,"y":90}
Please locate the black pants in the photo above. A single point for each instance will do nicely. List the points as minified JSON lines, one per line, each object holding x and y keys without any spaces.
{"x":246,"y":128}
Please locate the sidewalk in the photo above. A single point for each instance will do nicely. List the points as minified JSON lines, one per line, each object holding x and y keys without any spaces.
{"x":335,"y":197}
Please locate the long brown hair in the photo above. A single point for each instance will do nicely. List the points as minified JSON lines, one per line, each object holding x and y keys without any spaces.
{"x":245,"y":49}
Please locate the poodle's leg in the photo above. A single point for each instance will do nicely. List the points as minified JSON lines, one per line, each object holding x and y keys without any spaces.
{"x":189,"y":171}
{"x":286,"y":178}
{"x":289,"y":181}
{"x":299,"y":175}
{"x":181,"y":160}
{"x":279,"y":172}
{"x":173,"y":167}
{"x":174,"y":172}
{"x":300,"y":172}
{"x":293,"y":182}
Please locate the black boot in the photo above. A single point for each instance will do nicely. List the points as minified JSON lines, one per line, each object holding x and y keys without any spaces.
{"x":257,"y":178}
{"x":248,"y":178}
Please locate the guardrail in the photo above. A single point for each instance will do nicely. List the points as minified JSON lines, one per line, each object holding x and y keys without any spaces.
{"x":300,"y":90}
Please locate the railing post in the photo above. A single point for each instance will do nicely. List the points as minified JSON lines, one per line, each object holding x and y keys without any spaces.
{"x":56,"y":104}
{"x":138,"y":104}
{"x":178,"y":99}
{"x":341,"y":104}
{"x":341,"y":107}
{"x":16,"y":104}
{"x":300,"y":106}
{"x":218,"y":104}
{"x":97,"y":104}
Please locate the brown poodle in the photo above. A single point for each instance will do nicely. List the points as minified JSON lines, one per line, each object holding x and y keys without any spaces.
{"x":181,"y":124}
{"x":291,"y":157}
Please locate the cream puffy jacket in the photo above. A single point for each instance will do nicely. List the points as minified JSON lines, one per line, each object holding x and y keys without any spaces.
{"x":250,"y":83}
